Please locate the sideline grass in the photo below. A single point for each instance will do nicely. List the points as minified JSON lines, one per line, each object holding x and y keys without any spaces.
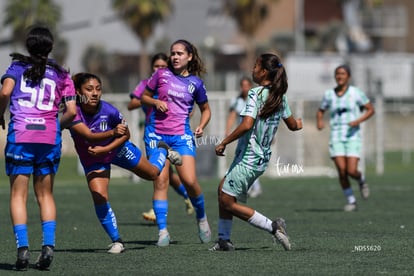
{"x":375,"y":240}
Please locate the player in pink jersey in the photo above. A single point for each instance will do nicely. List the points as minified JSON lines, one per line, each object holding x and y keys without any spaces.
{"x":159,"y":60}
{"x":172,"y":92}
{"x":35,"y":87}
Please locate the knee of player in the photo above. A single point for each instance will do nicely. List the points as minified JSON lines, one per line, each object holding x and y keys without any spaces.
{"x":342,"y":172}
{"x":153,"y":175}
{"x":225,"y":204}
{"x":160,"y":184}
{"x":352,"y":173}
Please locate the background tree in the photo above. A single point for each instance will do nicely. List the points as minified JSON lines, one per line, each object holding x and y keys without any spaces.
{"x":142,"y":16}
{"x":249,"y":15}
{"x":95,"y":60}
{"x":23,"y":13}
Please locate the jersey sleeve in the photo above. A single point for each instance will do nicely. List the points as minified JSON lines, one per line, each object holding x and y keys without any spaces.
{"x":68,"y":89}
{"x":362,"y":98}
{"x":325,"y":104}
{"x":139,"y":90}
{"x":251,"y":107}
{"x":286,"y":113}
{"x":116,"y":117}
{"x":200,"y":96}
{"x":77,"y":119}
{"x":10,"y":73}
{"x":152,"y":82}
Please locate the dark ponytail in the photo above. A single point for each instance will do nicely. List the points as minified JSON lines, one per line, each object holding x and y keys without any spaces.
{"x":39,"y":44}
{"x":277,"y":88}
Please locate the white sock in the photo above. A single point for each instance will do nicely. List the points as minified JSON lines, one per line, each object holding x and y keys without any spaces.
{"x":260,"y":221}
{"x":224,"y":228}
{"x":163,"y":232}
{"x":351,"y":199}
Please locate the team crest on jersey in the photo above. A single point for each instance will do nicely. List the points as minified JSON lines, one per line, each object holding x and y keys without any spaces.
{"x":103,"y":125}
{"x":191,"y":88}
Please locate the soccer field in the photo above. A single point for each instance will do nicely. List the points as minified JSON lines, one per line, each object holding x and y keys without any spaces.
{"x":375,"y":240}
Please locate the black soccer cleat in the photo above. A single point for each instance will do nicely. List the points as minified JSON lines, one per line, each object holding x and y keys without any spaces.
{"x":45,"y":258}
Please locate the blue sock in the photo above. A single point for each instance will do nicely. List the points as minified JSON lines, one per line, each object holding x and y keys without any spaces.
{"x":348,"y":192}
{"x":161,"y":211}
{"x":181,"y":191}
{"x":224,"y":228}
{"x":21,"y":236}
{"x":108,"y":220}
{"x":158,"y":158}
{"x":49,"y":229}
{"x":198,"y":204}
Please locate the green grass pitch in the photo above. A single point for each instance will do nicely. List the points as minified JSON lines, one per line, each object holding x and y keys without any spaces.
{"x":375,"y":240}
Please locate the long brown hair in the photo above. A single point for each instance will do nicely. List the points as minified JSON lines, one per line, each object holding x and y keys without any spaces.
{"x":278,"y":87}
{"x":195,"y":65}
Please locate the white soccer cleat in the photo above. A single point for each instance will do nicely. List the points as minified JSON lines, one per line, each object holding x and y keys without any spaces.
{"x":163,"y":238}
{"x":280,"y":234}
{"x":116,"y":248}
{"x":350,"y":207}
{"x":204,"y":232}
{"x":172,"y":155}
{"x":364,"y":188}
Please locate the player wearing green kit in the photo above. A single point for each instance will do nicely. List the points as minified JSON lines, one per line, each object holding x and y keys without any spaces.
{"x":266,"y":105}
{"x":348,"y":107}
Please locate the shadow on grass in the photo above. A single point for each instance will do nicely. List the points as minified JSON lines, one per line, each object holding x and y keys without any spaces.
{"x":319,"y":210}
{"x":147,"y":242}
{"x":13,"y":267}
{"x":78,"y":250}
{"x":4,"y":266}
{"x":146,"y":224}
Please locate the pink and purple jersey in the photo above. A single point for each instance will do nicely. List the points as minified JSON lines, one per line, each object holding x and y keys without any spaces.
{"x":180,"y":93}
{"x":139,"y":90}
{"x":34,"y":109}
{"x":137,"y":93}
{"x":106,"y":118}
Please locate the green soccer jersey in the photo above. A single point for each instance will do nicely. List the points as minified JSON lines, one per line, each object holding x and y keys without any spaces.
{"x":343,"y":110}
{"x":253,"y":148}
